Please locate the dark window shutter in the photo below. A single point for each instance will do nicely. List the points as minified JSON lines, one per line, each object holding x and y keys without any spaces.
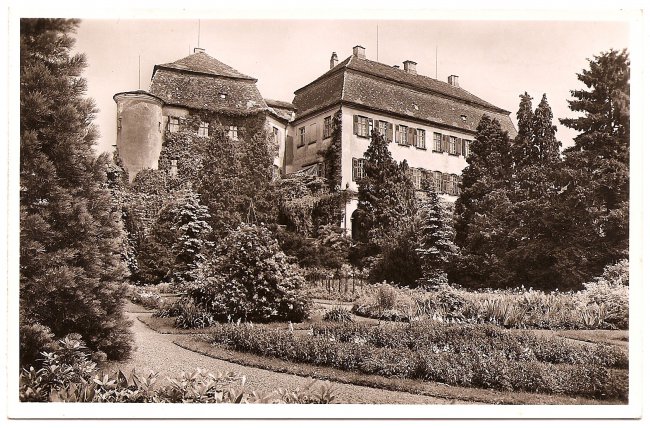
{"x":389,"y":131}
{"x":355,"y":124}
{"x":377,"y":125}
{"x":463,"y":148}
{"x":445,"y":143}
{"x":369,"y":126}
{"x":458,"y":146}
{"x":411,"y":137}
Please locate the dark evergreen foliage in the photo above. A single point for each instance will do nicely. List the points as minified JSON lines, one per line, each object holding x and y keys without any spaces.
{"x":71,"y":234}
{"x":483,"y":207}
{"x":591,"y":216}
{"x":249,"y":278}
{"x":435,"y":242}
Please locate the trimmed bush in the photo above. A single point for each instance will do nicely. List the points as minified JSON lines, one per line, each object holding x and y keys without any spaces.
{"x":250,"y":279}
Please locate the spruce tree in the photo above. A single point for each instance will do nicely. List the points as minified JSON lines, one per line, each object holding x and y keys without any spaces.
{"x":530,"y":259}
{"x":386,"y":194}
{"x":71,"y":233}
{"x":483,"y":208}
{"x":591,"y":209}
{"x":435,"y":246}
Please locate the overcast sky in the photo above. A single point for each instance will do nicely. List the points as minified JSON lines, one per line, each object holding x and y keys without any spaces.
{"x":495,"y":60}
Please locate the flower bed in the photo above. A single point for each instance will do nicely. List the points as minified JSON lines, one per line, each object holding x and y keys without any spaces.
{"x":475,"y":356}
{"x":508,"y":308}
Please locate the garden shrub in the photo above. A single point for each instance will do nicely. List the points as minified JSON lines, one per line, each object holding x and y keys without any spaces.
{"x":190,"y":315}
{"x":249,"y":278}
{"x":611,"y":291}
{"x":338,"y":314}
{"x":34,"y":339}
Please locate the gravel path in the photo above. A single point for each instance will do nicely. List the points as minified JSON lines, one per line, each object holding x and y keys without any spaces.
{"x":157,"y":352}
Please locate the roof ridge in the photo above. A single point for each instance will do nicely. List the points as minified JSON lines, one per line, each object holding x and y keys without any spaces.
{"x":202,"y":63}
{"x":476,"y":100}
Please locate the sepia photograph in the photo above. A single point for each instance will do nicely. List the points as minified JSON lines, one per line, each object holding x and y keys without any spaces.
{"x":414,"y":212}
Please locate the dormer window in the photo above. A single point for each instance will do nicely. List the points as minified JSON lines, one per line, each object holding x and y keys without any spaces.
{"x":222,"y":95}
{"x":463,"y":118}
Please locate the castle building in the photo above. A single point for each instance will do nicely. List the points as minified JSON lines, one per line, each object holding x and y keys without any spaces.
{"x":194,"y":85}
{"x":428,"y":123}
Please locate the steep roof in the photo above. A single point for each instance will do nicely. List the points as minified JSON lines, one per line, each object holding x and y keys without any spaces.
{"x":201,"y":82}
{"x":281,"y":109}
{"x":201,"y":62}
{"x":381,"y":87}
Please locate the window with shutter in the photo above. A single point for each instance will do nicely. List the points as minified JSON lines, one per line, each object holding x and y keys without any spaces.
{"x":402,"y":135}
{"x":455,"y":185}
{"x":420,"y":142}
{"x":437,"y":181}
{"x":445,"y":183}
{"x":357,"y":169}
{"x":452,"y":145}
{"x":302,"y":136}
{"x":313,"y":133}
{"x":437,"y":142}
{"x":327,"y":127}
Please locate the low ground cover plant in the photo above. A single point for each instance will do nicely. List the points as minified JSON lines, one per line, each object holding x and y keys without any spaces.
{"x":68,"y":375}
{"x":474,"y":356}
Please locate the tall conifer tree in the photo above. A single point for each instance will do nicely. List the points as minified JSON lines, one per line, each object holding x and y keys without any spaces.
{"x":71,"y":234}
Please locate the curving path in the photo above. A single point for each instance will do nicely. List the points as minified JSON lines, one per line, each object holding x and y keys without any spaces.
{"x":157,"y":352}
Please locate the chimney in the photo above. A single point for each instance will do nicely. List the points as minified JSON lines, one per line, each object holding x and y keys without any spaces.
{"x":199,"y":50}
{"x":453,"y":80}
{"x":334,"y":60}
{"x":359,"y":52}
{"x":409,"y":66}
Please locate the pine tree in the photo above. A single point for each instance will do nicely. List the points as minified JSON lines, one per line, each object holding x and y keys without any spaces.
{"x":71,"y":234}
{"x":435,"y":246}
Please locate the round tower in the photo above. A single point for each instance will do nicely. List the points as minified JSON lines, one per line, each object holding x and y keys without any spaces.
{"x":139,"y":130}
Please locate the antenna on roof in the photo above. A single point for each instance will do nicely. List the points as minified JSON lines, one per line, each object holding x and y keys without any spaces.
{"x":198,"y":42}
{"x":139,"y":72}
{"x":436,"y":62}
{"x":377,"y":42}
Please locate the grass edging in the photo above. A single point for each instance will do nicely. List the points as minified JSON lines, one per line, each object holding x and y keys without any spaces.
{"x":460,"y":395}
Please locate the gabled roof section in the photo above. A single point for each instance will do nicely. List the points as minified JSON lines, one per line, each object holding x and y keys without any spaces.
{"x":203,"y":63}
{"x":281,"y":109}
{"x":201,"y":82}
{"x":381,"y":87}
